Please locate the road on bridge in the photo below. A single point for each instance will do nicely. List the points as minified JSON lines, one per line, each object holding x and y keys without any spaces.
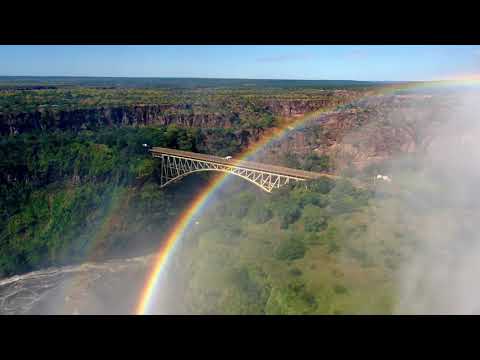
{"x":250,"y":165}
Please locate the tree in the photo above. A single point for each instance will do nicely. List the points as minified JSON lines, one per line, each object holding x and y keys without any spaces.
{"x":314,"y":219}
{"x":260,"y":213}
{"x":171,"y":136}
{"x":291,"y":161}
{"x":322,"y":185}
{"x":313,"y":162}
{"x":288,"y":213}
{"x":291,"y":249}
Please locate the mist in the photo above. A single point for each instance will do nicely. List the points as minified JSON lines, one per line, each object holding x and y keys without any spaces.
{"x":440,"y":202}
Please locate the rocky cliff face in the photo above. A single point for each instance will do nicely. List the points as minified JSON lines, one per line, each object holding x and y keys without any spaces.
{"x":367,"y":132}
{"x":187,"y":115}
{"x":141,"y":115}
{"x":364,"y":132}
{"x":298,"y":107}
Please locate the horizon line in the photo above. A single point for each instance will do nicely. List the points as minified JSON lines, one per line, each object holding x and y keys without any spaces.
{"x":209,"y":78}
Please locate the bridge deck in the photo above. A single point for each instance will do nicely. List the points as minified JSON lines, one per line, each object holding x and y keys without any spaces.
{"x":156,"y":151}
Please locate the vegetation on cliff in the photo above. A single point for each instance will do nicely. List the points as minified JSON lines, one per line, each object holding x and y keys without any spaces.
{"x":62,"y":192}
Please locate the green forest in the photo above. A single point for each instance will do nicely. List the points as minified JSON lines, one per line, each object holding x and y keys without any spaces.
{"x":60,"y":190}
{"x":305,"y":249}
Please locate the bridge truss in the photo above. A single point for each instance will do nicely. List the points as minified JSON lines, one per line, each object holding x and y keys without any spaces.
{"x":174,"y":167}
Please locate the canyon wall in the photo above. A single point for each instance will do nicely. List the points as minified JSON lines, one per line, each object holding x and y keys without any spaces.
{"x":183,"y":114}
{"x":364,"y":133}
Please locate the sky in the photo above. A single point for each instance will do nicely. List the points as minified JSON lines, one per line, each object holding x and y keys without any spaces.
{"x":322,"y":62}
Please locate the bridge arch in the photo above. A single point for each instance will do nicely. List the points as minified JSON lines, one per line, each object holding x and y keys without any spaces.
{"x":176,"y":164}
{"x":259,"y":184}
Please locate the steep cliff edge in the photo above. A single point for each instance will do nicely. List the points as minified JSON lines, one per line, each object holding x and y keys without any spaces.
{"x":222,"y":115}
{"x":366,"y":132}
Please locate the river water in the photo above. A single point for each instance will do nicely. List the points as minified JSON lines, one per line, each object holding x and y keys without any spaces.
{"x":110,"y":287}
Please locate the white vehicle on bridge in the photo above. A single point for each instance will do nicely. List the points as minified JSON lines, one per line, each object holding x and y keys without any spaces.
{"x":228,"y":157}
{"x":384,"y":178}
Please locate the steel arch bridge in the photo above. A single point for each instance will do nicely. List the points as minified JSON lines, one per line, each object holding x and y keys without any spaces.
{"x":177,"y":164}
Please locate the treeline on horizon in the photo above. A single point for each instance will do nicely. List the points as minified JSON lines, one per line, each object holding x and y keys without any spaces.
{"x":47,"y":108}
{"x":188,"y":83}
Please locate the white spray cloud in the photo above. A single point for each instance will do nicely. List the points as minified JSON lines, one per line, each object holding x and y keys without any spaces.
{"x":441,"y":275}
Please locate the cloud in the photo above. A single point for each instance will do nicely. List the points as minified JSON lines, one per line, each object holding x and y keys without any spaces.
{"x":285,"y":57}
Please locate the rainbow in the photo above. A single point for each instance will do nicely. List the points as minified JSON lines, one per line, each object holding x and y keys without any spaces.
{"x":196,"y":206}
{"x":168,"y":246}
{"x":185,"y":221}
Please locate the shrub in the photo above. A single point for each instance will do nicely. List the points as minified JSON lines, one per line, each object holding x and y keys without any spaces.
{"x":243,"y":280}
{"x":331,"y":238}
{"x":239,"y":205}
{"x":296,"y":272}
{"x":313,"y":162}
{"x":323,"y":185}
{"x":291,"y":249}
{"x":340,"y":289}
{"x":259,"y":213}
{"x":288,"y":213}
{"x":314,"y":219}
